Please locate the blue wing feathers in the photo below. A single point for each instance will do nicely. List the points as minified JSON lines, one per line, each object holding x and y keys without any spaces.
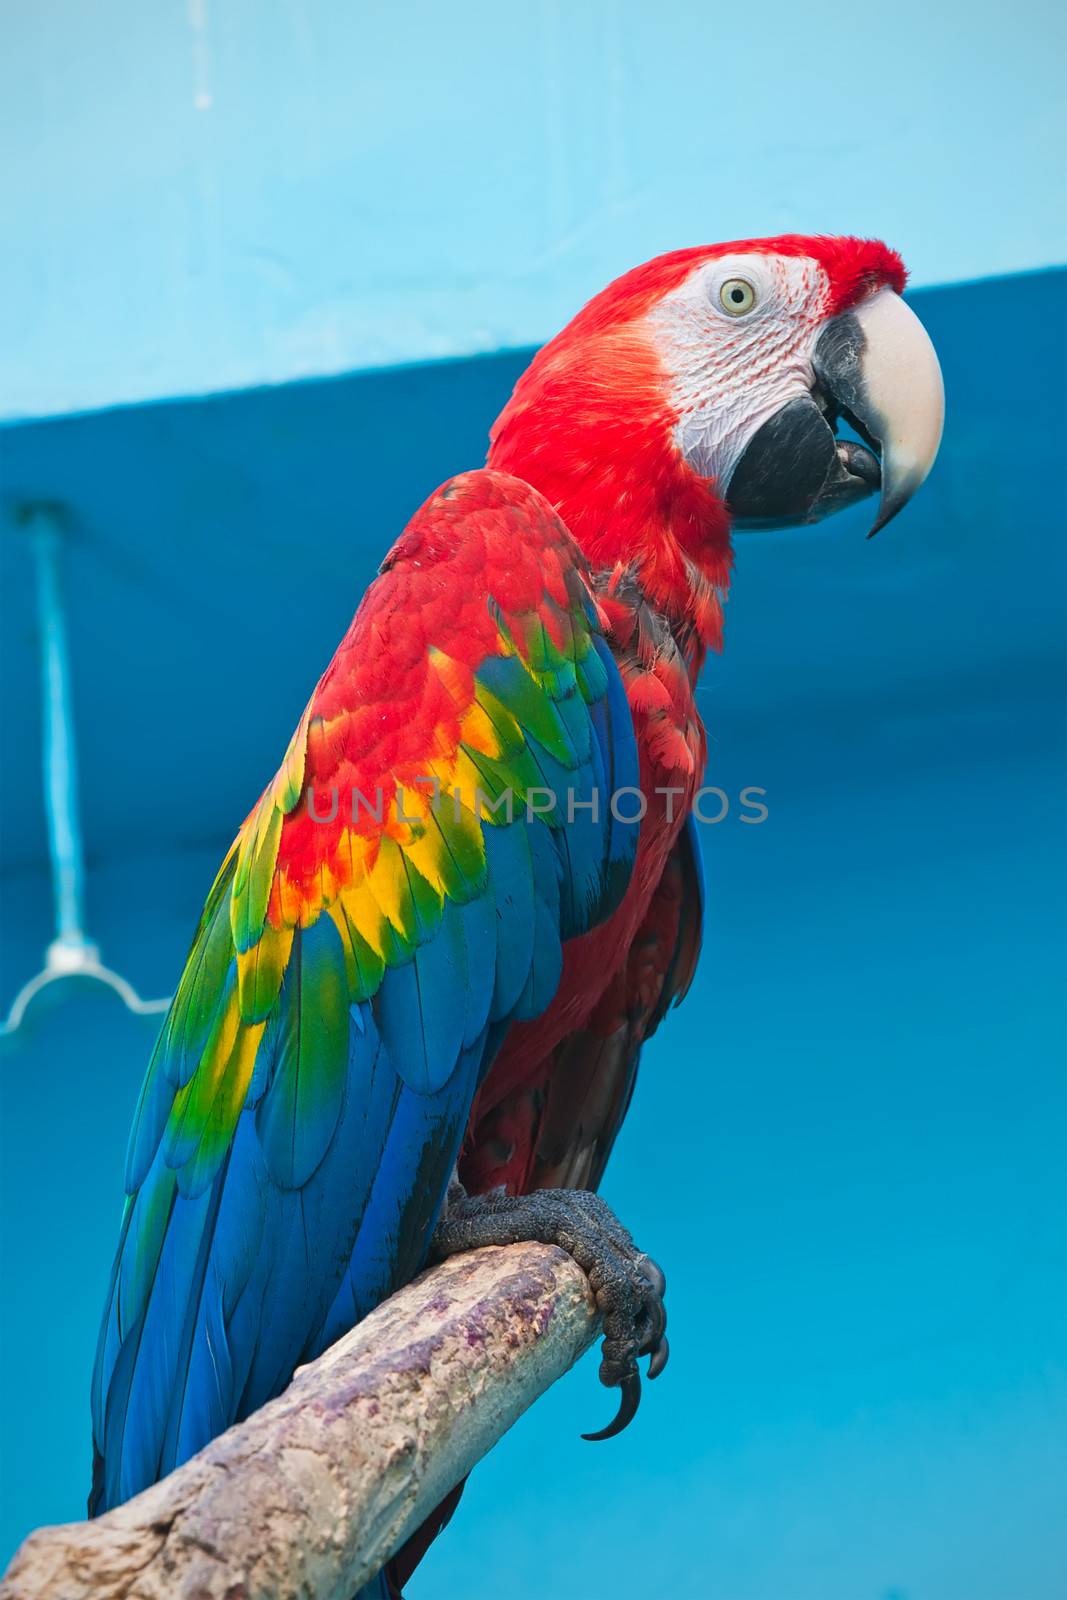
{"x":299,"y":1111}
{"x":510,"y":862}
{"x":422,"y":1007}
{"x":478,"y":923}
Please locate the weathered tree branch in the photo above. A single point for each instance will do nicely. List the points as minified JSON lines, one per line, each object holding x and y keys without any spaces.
{"x":312,"y":1494}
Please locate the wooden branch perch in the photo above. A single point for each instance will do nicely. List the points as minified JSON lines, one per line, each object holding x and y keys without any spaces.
{"x":312,"y":1494}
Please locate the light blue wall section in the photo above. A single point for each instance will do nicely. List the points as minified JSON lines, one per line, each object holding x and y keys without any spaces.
{"x":205,"y":194}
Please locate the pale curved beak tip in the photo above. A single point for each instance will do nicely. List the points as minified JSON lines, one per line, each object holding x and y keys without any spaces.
{"x":895,"y":497}
{"x":903,"y":397}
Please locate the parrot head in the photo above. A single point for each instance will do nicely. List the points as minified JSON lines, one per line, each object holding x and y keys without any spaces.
{"x":706,"y":390}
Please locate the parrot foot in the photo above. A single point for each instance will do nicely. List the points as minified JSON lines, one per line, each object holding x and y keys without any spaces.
{"x":627,"y":1285}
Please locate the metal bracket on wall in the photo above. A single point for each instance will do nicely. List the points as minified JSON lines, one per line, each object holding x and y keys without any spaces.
{"x":71,"y":953}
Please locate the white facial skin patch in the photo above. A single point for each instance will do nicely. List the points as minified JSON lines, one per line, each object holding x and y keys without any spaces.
{"x":737,"y":339}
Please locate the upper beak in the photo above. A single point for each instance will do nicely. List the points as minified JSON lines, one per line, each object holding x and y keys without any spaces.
{"x":874,"y":366}
{"x":880,"y":370}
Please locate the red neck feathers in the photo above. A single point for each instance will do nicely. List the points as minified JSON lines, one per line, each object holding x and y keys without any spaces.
{"x":590,"y":426}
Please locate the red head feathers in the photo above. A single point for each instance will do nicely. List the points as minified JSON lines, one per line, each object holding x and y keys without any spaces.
{"x":598,"y":423}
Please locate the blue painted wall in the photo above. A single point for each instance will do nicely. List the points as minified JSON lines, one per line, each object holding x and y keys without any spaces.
{"x":847,"y":1148}
{"x":205,"y":194}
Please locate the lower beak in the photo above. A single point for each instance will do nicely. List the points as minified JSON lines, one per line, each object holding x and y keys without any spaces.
{"x":875,"y":367}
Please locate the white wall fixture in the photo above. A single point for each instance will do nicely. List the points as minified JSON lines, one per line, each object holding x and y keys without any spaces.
{"x":71,"y":954}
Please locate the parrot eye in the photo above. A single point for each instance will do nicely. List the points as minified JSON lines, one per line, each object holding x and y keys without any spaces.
{"x":737,"y":296}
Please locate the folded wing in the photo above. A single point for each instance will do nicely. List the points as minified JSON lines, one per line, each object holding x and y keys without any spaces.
{"x":400,"y":894}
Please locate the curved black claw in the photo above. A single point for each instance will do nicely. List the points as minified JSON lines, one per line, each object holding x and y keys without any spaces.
{"x":631,"y":1399}
{"x":654,"y":1273}
{"x":627,"y":1285}
{"x":658,"y":1359}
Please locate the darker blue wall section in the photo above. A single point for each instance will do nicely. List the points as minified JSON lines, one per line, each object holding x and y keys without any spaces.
{"x":865,"y":1089}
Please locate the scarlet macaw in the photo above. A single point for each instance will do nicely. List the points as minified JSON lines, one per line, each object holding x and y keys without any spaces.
{"x":401,"y":976}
